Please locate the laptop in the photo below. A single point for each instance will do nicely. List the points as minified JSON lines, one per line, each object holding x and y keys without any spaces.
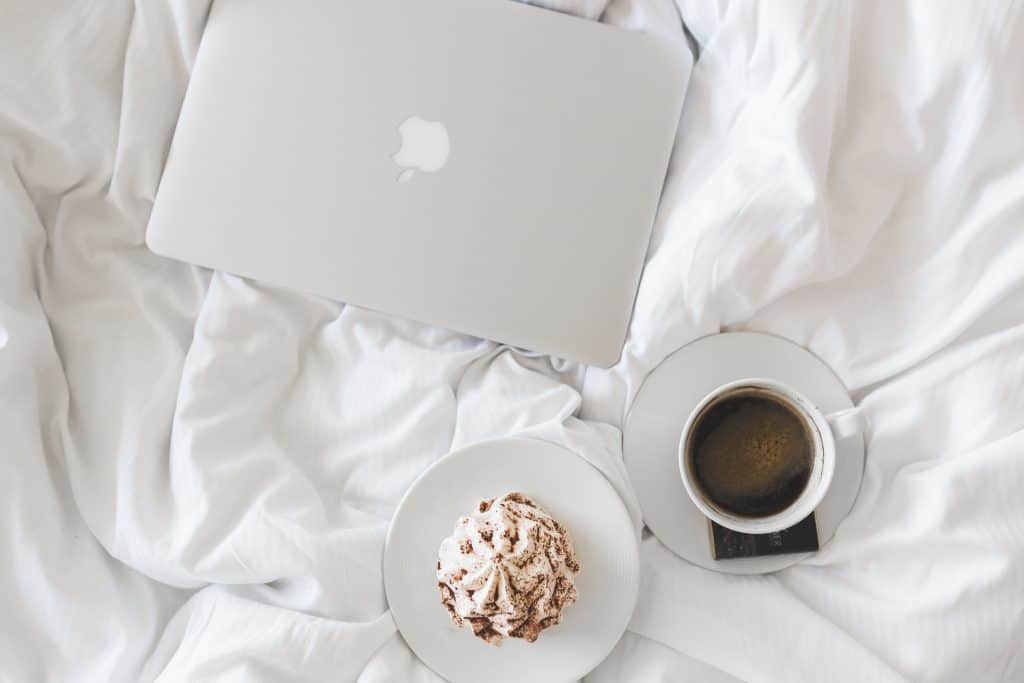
{"x":482,"y":165}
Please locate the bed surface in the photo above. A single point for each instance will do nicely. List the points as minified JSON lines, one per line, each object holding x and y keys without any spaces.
{"x":197,"y":470}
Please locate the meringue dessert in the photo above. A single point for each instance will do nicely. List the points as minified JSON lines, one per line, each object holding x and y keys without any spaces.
{"x":507,"y":570}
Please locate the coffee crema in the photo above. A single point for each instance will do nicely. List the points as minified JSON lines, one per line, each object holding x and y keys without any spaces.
{"x":752,"y":453}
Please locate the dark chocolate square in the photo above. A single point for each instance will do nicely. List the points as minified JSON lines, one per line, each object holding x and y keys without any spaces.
{"x":727,"y":544}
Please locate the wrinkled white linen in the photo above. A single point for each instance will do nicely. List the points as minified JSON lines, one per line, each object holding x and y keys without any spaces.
{"x":198,"y":470}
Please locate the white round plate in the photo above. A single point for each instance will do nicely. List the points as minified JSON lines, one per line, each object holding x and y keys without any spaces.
{"x":651,"y":438}
{"x":576,"y":494}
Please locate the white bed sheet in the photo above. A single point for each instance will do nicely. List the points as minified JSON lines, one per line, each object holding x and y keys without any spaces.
{"x":197,"y":470}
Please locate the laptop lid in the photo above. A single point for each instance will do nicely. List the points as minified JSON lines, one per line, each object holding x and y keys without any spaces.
{"x":481,"y":165}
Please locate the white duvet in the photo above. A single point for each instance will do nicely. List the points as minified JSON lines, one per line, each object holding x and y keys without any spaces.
{"x":197,"y":471}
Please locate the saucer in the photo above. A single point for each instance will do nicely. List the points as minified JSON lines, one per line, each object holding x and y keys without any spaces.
{"x":650,"y":439}
{"x":576,"y":494}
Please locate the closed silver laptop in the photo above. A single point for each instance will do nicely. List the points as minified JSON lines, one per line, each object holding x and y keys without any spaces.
{"x":481,"y":165}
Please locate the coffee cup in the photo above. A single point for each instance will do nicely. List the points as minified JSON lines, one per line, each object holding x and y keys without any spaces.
{"x":757,"y":456}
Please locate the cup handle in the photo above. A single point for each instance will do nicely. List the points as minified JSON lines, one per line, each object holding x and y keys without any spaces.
{"x":845,"y":423}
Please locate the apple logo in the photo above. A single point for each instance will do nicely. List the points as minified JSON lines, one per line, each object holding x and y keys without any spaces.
{"x":424,"y":147}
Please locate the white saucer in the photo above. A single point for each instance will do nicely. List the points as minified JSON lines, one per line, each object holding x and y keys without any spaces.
{"x":651,"y":438}
{"x":575,"y":493}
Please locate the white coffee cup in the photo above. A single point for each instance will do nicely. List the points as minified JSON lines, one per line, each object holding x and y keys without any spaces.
{"x":824,"y":431}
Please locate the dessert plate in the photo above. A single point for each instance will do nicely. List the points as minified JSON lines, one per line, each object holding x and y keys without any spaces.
{"x":577,"y":495}
{"x":650,"y":440}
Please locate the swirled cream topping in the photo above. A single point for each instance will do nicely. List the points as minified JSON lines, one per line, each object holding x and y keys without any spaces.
{"x":507,"y":570}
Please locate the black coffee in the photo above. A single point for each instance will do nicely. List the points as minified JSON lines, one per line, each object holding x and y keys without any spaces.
{"x":752,"y":454}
